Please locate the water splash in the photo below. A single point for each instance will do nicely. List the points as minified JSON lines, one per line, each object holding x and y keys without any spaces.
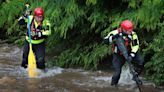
{"x":50,"y":72}
{"x":21,"y":72}
{"x":125,"y":79}
{"x":10,"y":52}
{"x":126,"y":76}
{"x":104,"y":78}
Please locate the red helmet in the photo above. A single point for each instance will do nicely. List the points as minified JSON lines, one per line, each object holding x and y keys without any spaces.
{"x":127,"y":25}
{"x":38,"y":12}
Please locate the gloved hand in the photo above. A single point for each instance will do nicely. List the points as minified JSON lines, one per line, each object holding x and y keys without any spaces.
{"x":106,"y":40}
{"x":109,"y":39}
{"x":21,"y":20}
{"x":27,"y":11}
{"x":129,"y":58}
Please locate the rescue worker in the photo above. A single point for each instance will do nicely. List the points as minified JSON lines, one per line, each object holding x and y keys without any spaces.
{"x":40,"y":29}
{"x":132,"y":44}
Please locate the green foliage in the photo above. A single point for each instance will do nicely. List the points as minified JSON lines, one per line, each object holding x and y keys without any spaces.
{"x":88,"y":56}
{"x":150,"y":16}
{"x":9,"y":12}
{"x":89,"y":2}
{"x":78,"y":27}
{"x":157,"y":60}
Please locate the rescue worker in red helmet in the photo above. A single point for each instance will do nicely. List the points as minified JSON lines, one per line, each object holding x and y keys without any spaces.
{"x":131,"y":42}
{"x":40,"y":29}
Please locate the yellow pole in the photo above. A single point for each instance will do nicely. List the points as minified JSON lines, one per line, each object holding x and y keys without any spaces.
{"x":32,"y":69}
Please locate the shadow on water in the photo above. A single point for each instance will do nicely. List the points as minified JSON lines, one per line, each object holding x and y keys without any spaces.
{"x":13,"y":78}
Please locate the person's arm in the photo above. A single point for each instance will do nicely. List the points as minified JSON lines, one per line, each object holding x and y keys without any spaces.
{"x":134,"y":44}
{"x":47,"y":29}
{"x":110,"y":37}
{"x":23,"y":19}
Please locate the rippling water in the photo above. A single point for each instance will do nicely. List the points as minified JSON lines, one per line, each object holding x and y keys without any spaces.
{"x":13,"y":78}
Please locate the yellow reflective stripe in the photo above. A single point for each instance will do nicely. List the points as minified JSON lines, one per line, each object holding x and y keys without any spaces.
{"x":136,"y":47}
{"x":114,"y":32}
{"x":46,"y":22}
{"x":36,"y":24}
{"x":35,"y":41}
{"x":46,"y":33}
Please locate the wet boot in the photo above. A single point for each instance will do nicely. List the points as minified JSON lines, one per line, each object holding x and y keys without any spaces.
{"x":113,"y":82}
{"x":139,"y":69}
{"x":136,"y":78}
{"x":44,"y":70}
{"x":24,"y":66}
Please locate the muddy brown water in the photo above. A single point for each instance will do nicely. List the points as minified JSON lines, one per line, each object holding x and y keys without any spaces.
{"x":13,"y":78}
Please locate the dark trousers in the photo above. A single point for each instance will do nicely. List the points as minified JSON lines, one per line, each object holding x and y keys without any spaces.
{"x":118,"y":61}
{"x":39,"y":51}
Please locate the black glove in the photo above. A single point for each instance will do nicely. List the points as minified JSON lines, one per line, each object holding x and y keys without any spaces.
{"x":106,"y":40}
{"x":109,"y":39}
{"x":129,"y":58}
{"x":21,"y":20}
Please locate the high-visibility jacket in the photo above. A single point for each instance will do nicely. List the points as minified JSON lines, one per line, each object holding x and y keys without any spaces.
{"x":131,"y":41}
{"x":45,"y":29}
